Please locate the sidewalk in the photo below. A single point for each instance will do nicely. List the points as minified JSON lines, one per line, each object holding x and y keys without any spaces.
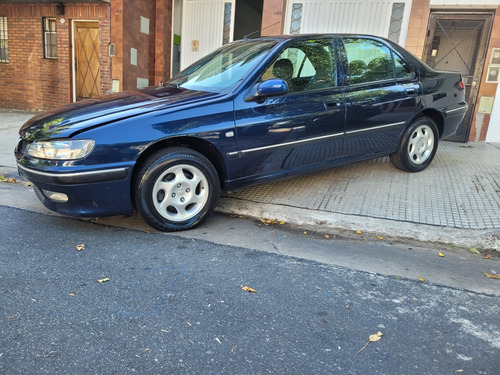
{"x":455,"y":200}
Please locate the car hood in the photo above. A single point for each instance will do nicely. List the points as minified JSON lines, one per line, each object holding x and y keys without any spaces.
{"x":73,"y":118}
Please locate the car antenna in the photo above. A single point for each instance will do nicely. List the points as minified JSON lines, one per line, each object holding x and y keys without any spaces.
{"x":246,"y":37}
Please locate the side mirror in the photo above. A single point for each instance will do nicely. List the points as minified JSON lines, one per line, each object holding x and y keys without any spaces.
{"x":271,"y":87}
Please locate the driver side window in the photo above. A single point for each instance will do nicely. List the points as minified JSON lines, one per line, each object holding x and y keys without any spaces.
{"x":305,"y":66}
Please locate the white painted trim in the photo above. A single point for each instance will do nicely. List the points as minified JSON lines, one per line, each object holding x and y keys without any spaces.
{"x":469,"y":4}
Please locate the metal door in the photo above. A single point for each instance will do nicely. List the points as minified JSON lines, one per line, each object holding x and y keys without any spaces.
{"x":86,"y":63}
{"x":206,"y":26}
{"x":457,"y":42}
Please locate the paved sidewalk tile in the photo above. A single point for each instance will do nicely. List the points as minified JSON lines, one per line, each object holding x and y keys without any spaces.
{"x":460,"y":189}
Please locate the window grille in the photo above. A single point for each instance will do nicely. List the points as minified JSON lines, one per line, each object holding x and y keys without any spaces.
{"x":296,"y":18}
{"x":397,"y":14}
{"x":49,"y":38}
{"x":226,"y":32}
{"x":4,"y":42}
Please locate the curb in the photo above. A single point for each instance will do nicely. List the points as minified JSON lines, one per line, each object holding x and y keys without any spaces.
{"x":332,"y":222}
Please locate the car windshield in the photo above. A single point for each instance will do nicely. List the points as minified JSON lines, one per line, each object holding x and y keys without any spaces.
{"x":224,"y":69}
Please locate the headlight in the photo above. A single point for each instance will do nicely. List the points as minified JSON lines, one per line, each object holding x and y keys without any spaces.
{"x":70,"y":149}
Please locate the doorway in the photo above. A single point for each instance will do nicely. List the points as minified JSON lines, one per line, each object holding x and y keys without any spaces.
{"x":458,"y":42}
{"x":86,"y":68}
{"x":205,"y":25}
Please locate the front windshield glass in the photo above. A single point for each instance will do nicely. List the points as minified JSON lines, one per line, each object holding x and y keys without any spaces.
{"x":224,"y":69}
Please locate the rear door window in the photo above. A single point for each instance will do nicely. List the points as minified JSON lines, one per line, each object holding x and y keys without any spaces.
{"x":371,"y":61}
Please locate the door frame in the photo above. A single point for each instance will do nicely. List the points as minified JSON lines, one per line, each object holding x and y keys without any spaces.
{"x":73,"y":57}
{"x":487,"y":16}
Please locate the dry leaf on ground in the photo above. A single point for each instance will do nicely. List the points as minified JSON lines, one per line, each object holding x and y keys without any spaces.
{"x":491,"y":276}
{"x":268,"y":221}
{"x":80,"y":247}
{"x":103,"y":280}
{"x":248,"y":289}
{"x":373,"y":338}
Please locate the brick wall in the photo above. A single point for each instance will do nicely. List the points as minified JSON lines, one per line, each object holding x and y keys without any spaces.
{"x":31,"y":82}
{"x":143,"y":43}
{"x":273,"y":14}
{"x":153,"y":49}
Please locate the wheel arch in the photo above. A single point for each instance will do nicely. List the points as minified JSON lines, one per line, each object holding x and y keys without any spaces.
{"x":436,"y":116}
{"x":199,"y":145}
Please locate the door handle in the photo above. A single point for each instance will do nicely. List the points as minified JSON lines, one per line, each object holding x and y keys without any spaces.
{"x":411,"y":90}
{"x":332,"y":104}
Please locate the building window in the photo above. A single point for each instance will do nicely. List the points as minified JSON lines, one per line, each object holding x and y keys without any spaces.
{"x":4,"y":42}
{"x":49,"y":38}
{"x":226,"y":32}
{"x":296,"y":18}
{"x":397,"y":14}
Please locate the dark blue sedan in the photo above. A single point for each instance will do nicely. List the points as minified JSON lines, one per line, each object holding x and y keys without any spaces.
{"x":252,"y":111}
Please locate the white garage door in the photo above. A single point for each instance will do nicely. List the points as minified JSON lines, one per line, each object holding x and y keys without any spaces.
{"x":206,"y":25}
{"x":388,"y":19}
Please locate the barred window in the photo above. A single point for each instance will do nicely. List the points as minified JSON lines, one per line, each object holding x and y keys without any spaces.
{"x":4,"y":43}
{"x":49,"y":38}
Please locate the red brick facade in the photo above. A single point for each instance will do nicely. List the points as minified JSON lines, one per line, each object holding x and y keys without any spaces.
{"x":31,"y":82}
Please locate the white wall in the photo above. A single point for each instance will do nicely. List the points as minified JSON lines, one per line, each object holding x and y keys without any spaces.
{"x":348,"y":16}
{"x":493,"y":134}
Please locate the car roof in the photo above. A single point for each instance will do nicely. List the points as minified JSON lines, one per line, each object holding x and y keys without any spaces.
{"x":312,"y":35}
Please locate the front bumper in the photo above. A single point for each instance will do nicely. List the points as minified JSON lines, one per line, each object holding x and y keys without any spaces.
{"x":90,"y":193}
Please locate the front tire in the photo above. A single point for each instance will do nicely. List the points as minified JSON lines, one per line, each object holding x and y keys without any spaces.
{"x":176,"y":189}
{"x":418,"y":146}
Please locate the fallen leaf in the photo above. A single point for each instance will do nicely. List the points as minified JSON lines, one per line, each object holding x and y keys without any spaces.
{"x":422,"y":280}
{"x":327,"y":236}
{"x":441,"y":254}
{"x":487,"y":256}
{"x":358,"y":232}
{"x":268,"y":221}
{"x":103,"y":280}
{"x":377,"y":336}
{"x":80,"y":247}
{"x":148,"y":231}
{"x":492,"y":276}
{"x":72,"y":294}
{"x":373,"y":338}
{"x":282,"y":223}
{"x":473,"y":250}
{"x":248,"y":289}
{"x":11,"y":180}
{"x":380,"y":237}
{"x":305,"y":232}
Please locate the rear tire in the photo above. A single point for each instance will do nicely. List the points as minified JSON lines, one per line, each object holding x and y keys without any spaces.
{"x":176,"y":189}
{"x":418,"y":146}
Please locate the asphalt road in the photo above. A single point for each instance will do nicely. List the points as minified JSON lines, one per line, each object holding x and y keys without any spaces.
{"x":175,"y":305}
